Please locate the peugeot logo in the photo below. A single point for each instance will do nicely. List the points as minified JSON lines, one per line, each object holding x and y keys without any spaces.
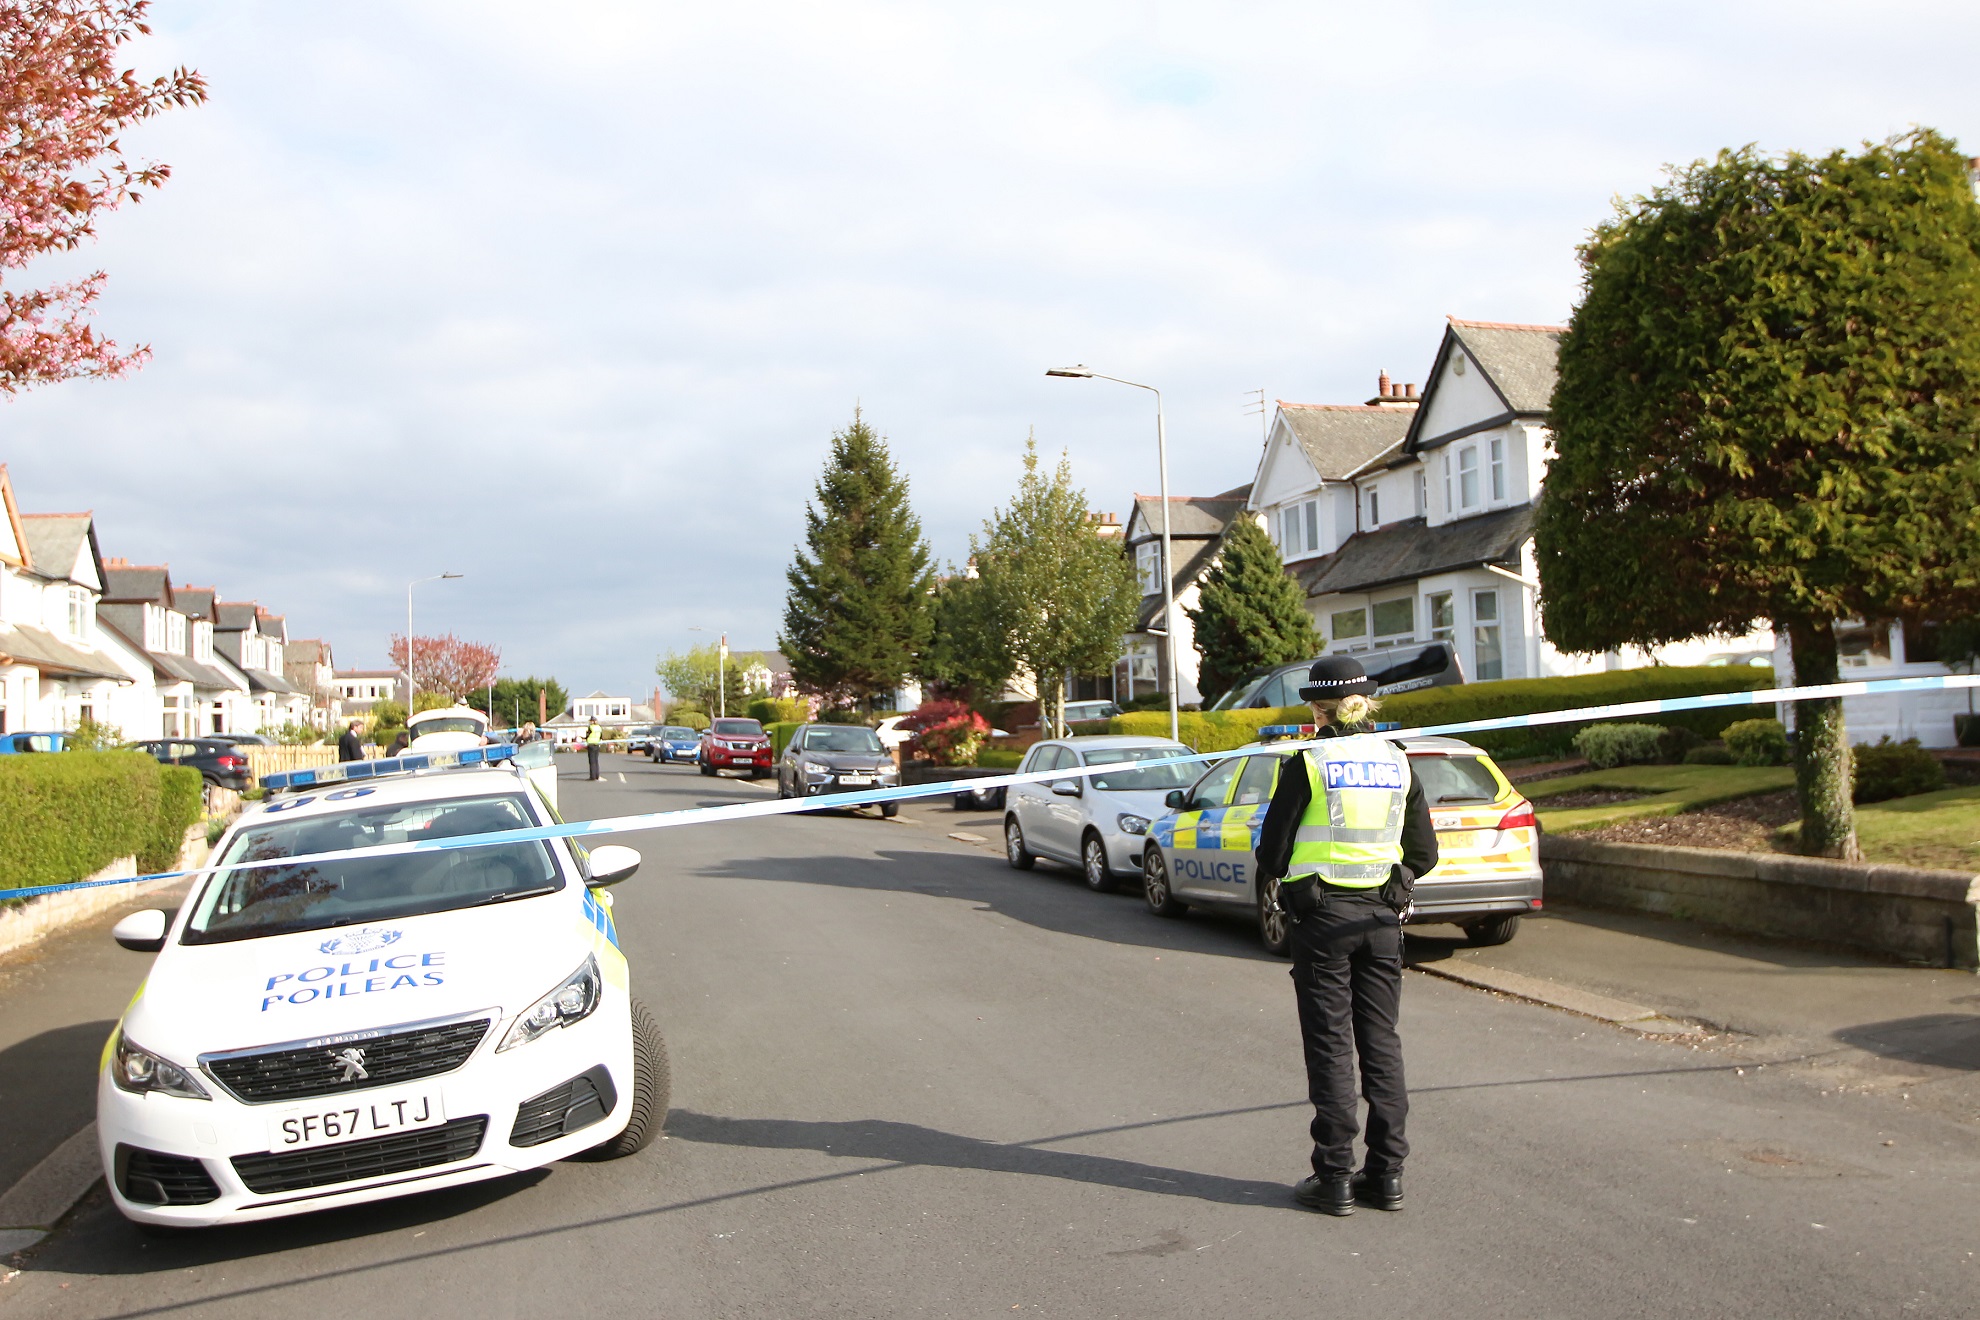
{"x":352,"y":1062}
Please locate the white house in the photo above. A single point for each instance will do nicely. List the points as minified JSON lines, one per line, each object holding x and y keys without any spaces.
{"x":307,"y":664}
{"x":251,"y":640}
{"x":139,"y":607}
{"x":1196,"y":533}
{"x":356,"y":691}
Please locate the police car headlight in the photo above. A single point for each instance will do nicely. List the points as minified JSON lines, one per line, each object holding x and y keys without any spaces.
{"x":138,"y":1070}
{"x":573,"y":1001}
{"x":1132,"y":824}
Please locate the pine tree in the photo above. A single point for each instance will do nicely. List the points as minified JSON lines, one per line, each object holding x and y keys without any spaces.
{"x":1768,"y":407}
{"x":857,"y":612}
{"x":1060,"y":594}
{"x":1251,"y":614}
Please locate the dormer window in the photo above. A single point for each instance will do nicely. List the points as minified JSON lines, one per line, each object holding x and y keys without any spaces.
{"x":1374,"y":506}
{"x":1498,"y":465}
{"x":1299,"y":528}
{"x":1468,"y":477}
{"x":1148,"y":566}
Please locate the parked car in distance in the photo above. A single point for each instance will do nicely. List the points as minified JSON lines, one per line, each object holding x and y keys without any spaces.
{"x":243,"y":739}
{"x":891,"y":733}
{"x":733,"y":744}
{"x":1098,"y":823}
{"x":1201,"y":851}
{"x":836,"y":758}
{"x":674,"y":742}
{"x":11,"y":743}
{"x":220,"y":764}
{"x":640,"y":737}
{"x":1079,"y":712}
{"x":1396,"y":668}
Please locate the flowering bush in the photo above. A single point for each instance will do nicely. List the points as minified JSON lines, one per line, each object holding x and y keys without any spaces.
{"x":931,"y":713}
{"x":954,"y":741}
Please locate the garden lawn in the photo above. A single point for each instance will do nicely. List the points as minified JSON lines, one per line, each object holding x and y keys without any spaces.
{"x":1671,"y":789}
{"x":1939,"y":831}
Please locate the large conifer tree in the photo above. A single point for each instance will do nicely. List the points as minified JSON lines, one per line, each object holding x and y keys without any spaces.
{"x":857,"y":612}
{"x":1769,"y":410}
{"x":1251,"y":614}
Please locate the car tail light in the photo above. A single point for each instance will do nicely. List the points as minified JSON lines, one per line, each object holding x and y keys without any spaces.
{"x":1521,"y":817}
{"x":232,"y":762}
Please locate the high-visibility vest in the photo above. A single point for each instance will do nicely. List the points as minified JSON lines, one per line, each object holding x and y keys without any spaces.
{"x":1351,"y":834}
{"x":593,"y":734}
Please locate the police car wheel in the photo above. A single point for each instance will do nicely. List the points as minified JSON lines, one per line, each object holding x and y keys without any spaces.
{"x":1093,"y":863}
{"x":890,"y":809}
{"x":1155,"y":886}
{"x":1274,"y":930}
{"x":1015,"y":852}
{"x":652,"y":1090}
{"x":1499,"y":930}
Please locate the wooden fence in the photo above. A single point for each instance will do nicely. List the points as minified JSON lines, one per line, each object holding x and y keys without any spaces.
{"x":279,"y":760}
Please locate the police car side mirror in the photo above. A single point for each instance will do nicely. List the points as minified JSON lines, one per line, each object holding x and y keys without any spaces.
{"x":143,"y":932}
{"x":610,"y":863}
{"x":1176,"y":800}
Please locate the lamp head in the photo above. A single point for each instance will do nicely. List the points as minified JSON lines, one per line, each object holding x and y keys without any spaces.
{"x":445,"y":576}
{"x":1081,"y":372}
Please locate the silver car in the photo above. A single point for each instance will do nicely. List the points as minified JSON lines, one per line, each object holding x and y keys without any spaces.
{"x":1098,"y":823}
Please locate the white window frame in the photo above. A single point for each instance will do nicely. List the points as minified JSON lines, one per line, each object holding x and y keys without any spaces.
{"x":1374,"y":506}
{"x":1445,"y":631}
{"x":1392,"y":638}
{"x":1468,"y":487}
{"x":1498,"y":469}
{"x":1148,"y":566}
{"x":1487,"y":630}
{"x":1422,"y":492}
{"x":1450,"y":502}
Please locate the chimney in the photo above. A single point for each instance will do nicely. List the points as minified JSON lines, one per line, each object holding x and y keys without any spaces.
{"x":1382,"y":386}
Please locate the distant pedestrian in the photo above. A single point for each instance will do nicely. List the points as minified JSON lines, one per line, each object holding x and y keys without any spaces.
{"x":350,"y":745}
{"x":594,"y":739}
{"x":526,"y":734}
{"x":1347,"y":834}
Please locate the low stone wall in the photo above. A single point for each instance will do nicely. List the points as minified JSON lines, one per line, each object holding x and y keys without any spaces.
{"x":1920,"y":916}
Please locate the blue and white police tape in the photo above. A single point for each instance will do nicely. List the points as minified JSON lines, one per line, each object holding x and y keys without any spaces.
{"x":871,"y":797}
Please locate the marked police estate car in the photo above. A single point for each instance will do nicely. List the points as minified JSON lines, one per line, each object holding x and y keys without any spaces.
{"x":322,"y":1033}
{"x":1202,"y":851}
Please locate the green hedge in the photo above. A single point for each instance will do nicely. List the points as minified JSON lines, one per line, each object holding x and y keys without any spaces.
{"x":998,"y":758}
{"x":66,"y":815}
{"x":780,"y":734}
{"x":1220,"y":731}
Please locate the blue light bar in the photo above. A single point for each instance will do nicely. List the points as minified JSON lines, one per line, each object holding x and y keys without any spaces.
{"x":1271,"y":731}
{"x":397,"y":765}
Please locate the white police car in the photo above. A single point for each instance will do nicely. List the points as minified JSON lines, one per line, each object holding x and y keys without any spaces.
{"x":323,"y":1033}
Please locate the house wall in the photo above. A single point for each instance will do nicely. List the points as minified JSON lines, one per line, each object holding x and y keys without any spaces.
{"x":1461,"y":397}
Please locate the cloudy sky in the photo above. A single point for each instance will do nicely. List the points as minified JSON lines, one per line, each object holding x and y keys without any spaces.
{"x":568,"y":298}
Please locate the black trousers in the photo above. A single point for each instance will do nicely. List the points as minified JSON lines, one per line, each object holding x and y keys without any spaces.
{"x":591,"y":755}
{"x":1347,"y":972}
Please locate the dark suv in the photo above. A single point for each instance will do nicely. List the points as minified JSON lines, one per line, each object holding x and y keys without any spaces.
{"x":835,"y":758}
{"x":221,"y":764}
{"x":1396,"y":668}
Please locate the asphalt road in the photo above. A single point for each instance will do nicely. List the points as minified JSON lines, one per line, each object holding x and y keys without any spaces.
{"x":911,"y":1081}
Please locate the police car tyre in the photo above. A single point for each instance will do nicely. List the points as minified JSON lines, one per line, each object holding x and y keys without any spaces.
{"x":1498,"y":930}
{"x":1014,"y":850}
{"x":652,"y":1090}
{"x":1100,"y":877}
{"x":890,"y":809}
{"x":1274,"y":926}
{"x":1155,"y":886}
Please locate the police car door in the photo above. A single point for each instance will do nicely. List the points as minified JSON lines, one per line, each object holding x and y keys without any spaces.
{"x":1243,"y":820}
{"x":1199,"y":849}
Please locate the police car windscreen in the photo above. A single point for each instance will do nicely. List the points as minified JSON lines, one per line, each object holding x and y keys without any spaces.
{"x":275,"y":900}
{"x":1454,"y":779}
{"x":842,"y":738}
{"x":1160,"y":778}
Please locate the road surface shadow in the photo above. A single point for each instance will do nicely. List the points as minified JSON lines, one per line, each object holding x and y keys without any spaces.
{"x":1050,"y":900}
{"x":97,"y":1240}
{"x":913,"y":1144}
{"x":48,"y":1092}
{"x":1946,"y":1040}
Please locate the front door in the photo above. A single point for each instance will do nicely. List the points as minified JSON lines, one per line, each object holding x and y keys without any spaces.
{"x":1199,"y":858}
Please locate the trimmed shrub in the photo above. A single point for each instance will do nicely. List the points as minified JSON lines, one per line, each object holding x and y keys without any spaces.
{"x":1708,"y":755}
{"x":64,"y":815}
{"x":1757,"y":742}
{"x":999,"y":758}
{"x":1886,"y":770}
{"x":181,"y":797}
{"x":687,"y":719}
{"x":1217,"y":731}
{"x":1675,"y":743}
{"x":1609,"y":745}
{"x":780,"y":734}
{"x":777,"y":710}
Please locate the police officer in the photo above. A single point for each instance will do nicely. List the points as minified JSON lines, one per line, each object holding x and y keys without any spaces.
{"x":594,"y":741}
{"x":1346,"y":835}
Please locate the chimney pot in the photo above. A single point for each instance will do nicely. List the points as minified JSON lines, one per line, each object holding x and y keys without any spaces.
{"x":1382,"y":385}
{"x":1409,"y":391}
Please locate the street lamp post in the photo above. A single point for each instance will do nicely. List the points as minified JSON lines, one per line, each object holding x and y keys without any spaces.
{"x":437,"y":577}
{"x":1084,"y":372}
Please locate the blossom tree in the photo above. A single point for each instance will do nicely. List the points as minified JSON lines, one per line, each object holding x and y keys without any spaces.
{"x":63,"y":105}
{"x":445,"y":663}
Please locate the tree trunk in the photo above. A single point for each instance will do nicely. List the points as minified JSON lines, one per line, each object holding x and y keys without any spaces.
{"x":1823,"y":769}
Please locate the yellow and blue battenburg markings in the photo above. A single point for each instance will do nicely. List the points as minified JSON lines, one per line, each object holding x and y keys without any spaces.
{"x":752,"y":810}
{"x":600,"y":916}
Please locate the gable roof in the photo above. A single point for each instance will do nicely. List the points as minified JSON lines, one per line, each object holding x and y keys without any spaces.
{"x":1342,"y":439}
{"x":56,"y":543}
{"x":235,"y":615}
{"x":127,"y":582}
{"x":1196,"y":516}
{"x":195,"y":601}
{"x":1407,"y":550}
{"x":1519,"y":362}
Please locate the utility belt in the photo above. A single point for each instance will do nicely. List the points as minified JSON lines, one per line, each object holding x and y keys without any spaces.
{"x":1308,"y":892}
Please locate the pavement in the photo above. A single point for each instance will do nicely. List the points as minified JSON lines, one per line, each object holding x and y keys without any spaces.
{"x":909,"y":1080}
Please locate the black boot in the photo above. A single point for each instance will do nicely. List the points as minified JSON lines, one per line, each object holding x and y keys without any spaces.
{"x":1330,"y":1195}
{"x":1378,"y":1191}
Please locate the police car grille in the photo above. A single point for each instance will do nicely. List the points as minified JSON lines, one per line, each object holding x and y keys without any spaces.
{"x":298,"y":1073}
{"x":322,"y":1166}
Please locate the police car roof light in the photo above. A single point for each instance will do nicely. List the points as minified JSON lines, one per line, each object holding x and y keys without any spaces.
{"x":317,"y":777}
{"x":1269,"y":732}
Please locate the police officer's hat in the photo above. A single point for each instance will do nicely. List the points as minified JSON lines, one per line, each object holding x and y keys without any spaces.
{"x":1337,"y":676}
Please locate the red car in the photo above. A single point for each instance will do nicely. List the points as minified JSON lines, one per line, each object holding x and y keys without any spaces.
{"x":735,"y":745}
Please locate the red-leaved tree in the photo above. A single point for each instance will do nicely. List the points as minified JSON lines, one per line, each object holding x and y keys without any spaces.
{"x":63,"y":104}
{"x":447,"y":664}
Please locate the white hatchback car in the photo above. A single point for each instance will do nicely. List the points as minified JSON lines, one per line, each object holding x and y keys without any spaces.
{"x":332,"y":1032}
{"x":1098,"y":823}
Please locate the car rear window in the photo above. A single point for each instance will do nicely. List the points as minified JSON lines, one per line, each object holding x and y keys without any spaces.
{"x":1448,"y":780}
